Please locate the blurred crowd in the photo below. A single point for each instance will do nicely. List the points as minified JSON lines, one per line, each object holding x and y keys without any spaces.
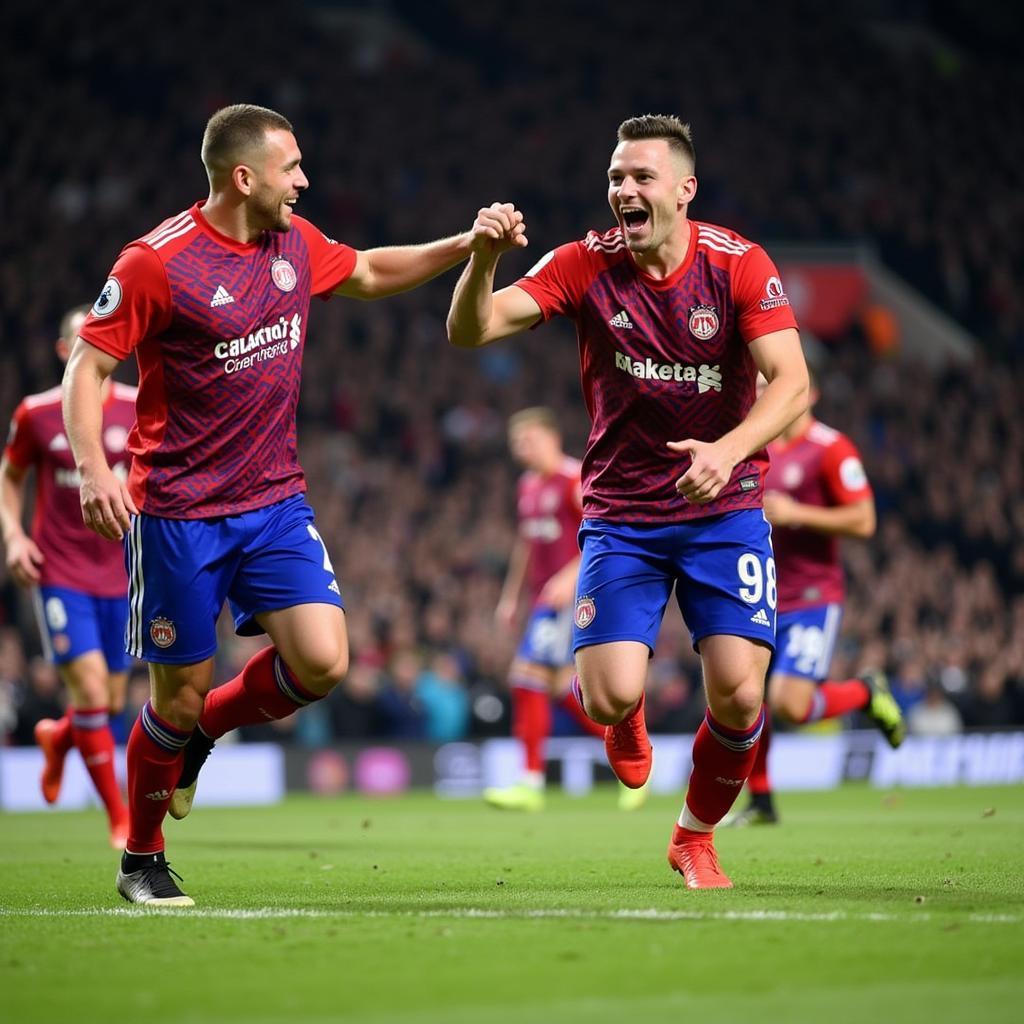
{"x":811,"y":123}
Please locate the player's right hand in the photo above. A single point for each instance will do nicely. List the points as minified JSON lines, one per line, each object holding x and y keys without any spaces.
{"x":106,"y":504}
{"x":23,"y":560}
{"x":498,"y":228}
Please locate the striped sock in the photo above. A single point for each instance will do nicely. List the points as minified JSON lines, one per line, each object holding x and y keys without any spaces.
{"x":832,"y":699}
{"x":722,"y":760}
{"x":154,"y":766}
{"x":90,"y":729}
{"x":264,"y":691}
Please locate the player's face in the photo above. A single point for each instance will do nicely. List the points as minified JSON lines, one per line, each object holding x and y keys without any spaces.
{"x":279,"y":182}
{"x":649,"y":188}
{"x":534,"y":446}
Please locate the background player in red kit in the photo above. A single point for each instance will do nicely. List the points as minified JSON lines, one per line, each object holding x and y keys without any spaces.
{"x":215,"y":303}
{"x":79,"y":582}
{"x":544,"y":563}
{"x":674,"y":319}
{"x":816,"y":492}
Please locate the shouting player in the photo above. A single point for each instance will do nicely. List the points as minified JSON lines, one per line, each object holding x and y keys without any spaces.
{"x":78,"y":579}
{"x":215,"y":304}
{"x":674,"y":317}
{"x":816,"y":493}
{"x":544,"y":563}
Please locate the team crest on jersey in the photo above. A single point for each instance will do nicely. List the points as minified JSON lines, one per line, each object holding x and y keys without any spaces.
{"x":162,"y":632}
{"x":704,"y":322}
{"x":586,"y":612}
{"x":109,"y":300}
{"x":283,"y":274}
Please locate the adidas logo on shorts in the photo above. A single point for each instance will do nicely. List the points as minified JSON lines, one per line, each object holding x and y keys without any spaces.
{"x":760,"y":619}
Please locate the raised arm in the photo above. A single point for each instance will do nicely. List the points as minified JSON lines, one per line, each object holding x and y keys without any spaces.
{"x":393,"y":269}
{"x":106,"y":502}
{"x":477,"y":315}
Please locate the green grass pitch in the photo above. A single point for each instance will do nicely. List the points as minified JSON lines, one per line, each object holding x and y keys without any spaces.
{"x":862,"y":906}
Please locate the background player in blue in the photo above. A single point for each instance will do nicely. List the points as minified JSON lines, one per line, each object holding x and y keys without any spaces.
{"x":674,"y":318}
{"x":215,"y":303}
{"x":77,"y":580}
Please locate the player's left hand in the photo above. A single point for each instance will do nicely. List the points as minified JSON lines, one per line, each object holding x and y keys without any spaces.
{"x":559,"y":591}
{"x":710,"y":468}
{"x":780,"y":509}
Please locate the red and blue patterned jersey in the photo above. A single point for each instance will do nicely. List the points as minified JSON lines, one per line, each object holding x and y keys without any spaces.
{"x":74,"y":556}
{"x":820,"y":467}
{"x":549,"y":512}
{"x":218,"y":328}
{"x":662,"y":360}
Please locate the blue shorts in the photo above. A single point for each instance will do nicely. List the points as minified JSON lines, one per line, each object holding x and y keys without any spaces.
{"x":548,"y":638}
{"x":722,"y":568}
{"x":806,"y":641}
{"x":73,"y":623}
{"x":181,"y":570}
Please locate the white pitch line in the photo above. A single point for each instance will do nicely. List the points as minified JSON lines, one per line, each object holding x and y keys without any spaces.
{"x":469,"y":913}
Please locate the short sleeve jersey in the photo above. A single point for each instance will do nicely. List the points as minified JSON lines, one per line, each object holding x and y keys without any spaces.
{"x":74,"y":556}
{"x":662,"y":360}
{"x":549,"y":513}
{"x":820,"y":467}
{"x":218,"y":329}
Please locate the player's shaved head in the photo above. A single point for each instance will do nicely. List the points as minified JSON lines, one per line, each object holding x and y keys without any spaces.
{"x":237,"y":135}
{"x":536,"y":414}
{"x":662,"y":126}
{"x":68,"y":329}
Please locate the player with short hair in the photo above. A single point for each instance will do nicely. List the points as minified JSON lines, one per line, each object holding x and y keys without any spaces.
{"x":78,"y":581}
{"x":543,"y":564}
{"x":816,"y":493}
{"x":674,"y":318}
{"x":215,"y":302}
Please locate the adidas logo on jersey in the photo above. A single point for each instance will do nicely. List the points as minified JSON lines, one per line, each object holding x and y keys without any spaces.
{"x":221,"y":297}
{"x":621,"y":319}
{"x":59,"y":443}
{"x":760,"y":619}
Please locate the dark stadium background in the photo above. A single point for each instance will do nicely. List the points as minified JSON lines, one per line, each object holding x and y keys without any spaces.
{"x":889,"y":128}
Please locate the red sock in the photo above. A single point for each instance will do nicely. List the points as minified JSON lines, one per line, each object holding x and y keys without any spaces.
{"x":722,"y":759}
{"x":63,"y":741}
{"x":154,"y":767}
{"x":264,"y":691}
{"x":833,"y":698}
{"x":759,"y":781}
{"x":91,"y":732}
{"x":580,"y":717}
{"x":531,"y":723}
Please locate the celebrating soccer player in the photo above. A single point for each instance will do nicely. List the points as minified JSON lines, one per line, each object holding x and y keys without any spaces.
{"x":215,"y":304}
{"x":674,"y":317}
{"x":816,"y":493}
{"x":78,"y":579}
{"x":544,"y":562}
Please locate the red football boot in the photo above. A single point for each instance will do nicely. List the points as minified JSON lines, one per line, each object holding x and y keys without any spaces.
{"x":693,"y":855}
{"x":629,"y":749}
{"x":53,"y":768}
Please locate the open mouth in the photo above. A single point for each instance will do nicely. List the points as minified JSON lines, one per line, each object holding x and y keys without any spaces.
{"x":634,"y":218}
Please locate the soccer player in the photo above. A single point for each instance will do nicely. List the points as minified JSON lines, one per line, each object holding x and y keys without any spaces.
{"x":215,"y":301}
{"x":816,"y":494}
{"x":674,"y":318}
{"x":78,"y":581}
{"x":544,"y":563}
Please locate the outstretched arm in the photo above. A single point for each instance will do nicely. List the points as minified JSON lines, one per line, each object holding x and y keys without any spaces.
{"x":779,"y":357}
{"x":106,"y":502}
{"x":390,"y":270}
{"x":477,"y":315}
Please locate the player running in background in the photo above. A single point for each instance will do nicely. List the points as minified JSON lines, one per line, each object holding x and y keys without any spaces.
{"x":544,"y":563}
{"x":215,"y":304}
{"x":78,"y":579}
{"x":674,"y":319}
{"x":816,"y":493}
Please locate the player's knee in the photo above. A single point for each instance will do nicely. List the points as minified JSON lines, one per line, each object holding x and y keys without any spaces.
{"x":739,"y":707}
{"x":90,"y":691}
{"x":181,"y":709}
{"x":608,"y":707}
{"x":790,"y":707}
{"x":322,"y":674}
